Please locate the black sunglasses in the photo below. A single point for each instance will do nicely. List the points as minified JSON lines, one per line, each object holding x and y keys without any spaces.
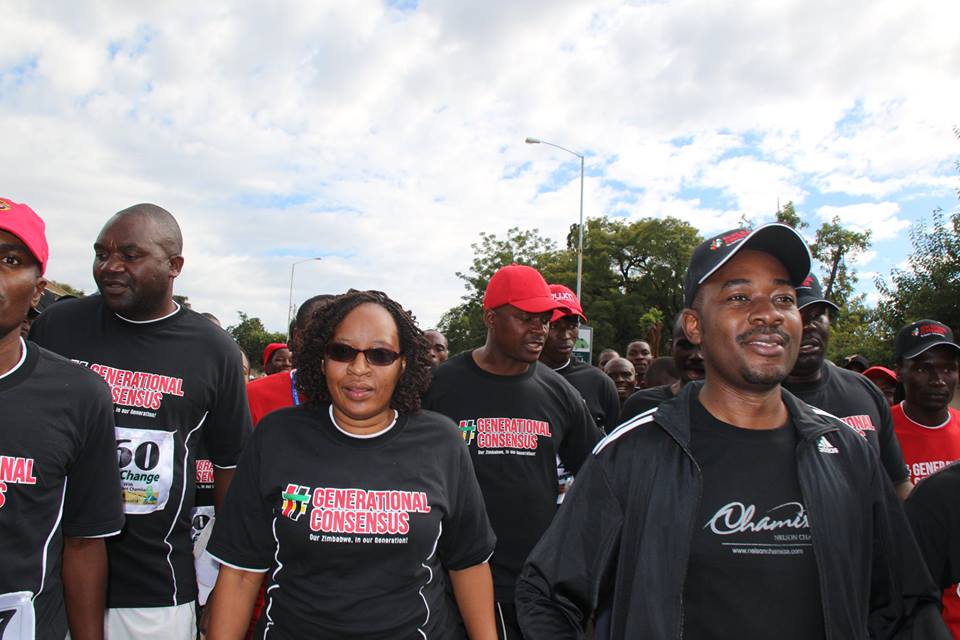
{"x":377,"y":356}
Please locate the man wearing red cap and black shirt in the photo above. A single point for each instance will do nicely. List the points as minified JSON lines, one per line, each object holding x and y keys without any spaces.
{"x":176,"y":380}
{"x":840,"y":392}
{"x":927,"y":426}
{"x":734,"y":510}
{"x":517,"y":418}
{"x":59,"y":488}
{"x":597,"y":389}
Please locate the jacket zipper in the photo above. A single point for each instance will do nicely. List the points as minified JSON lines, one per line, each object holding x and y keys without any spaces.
{"x":693,"y":523}
{"x":813,"y":532}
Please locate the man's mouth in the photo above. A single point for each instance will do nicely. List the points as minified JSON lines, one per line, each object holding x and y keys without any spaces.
{"x":766,"y":343}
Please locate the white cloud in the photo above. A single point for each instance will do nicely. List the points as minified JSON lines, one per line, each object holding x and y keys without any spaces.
{"x":380,"y":139}
{"x":880,"y":218}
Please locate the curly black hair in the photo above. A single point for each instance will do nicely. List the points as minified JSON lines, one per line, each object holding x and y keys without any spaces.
{"x":308,"y":359}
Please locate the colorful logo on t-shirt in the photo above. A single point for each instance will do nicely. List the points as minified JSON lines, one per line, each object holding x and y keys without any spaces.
{"x":504,"y":433}
{"x":14,"y":470}
{"x":468,"y":429}
{"x":139,"y":389}
{"x":296,"y":497}
{"x":364,"y":511}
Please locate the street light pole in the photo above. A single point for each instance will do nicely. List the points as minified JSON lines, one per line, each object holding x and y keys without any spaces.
{"x":580,"y":227}
{"x":290,"y":304}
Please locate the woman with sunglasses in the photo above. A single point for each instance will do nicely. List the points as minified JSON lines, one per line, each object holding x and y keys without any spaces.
{"x":358,"y":506}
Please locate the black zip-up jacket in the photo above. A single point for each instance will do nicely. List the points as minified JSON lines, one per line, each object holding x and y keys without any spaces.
{"x":622,"y":537}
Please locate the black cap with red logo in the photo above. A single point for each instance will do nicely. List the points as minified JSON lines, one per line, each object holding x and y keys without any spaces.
{"x":810,"y":292}
{"x":777,"y":239}
{"x":920,"y":336}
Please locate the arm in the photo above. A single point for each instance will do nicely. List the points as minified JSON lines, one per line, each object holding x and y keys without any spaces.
{"x":85,"y":586}
{"x":611,"y":404}
{"x":221,"y":482}
{"x":473,"y":591}
{"x":903,"y":489}
{"x":559,"y":586}
{"x":231,"y":603}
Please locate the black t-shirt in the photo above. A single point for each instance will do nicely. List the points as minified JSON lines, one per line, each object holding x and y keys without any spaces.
{"x":597,"y":390}
{"x":58,"y":478}
{"x":751,"y":573}
{"x":516,"y":427}
{"x":934,"y":511}
{"x":175,"y":381}
{"x":851,"y":397}
{"x":354,"y":531}
{"x":644,"y":400}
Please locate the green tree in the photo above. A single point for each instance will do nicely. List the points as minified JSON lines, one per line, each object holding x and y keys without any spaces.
{"x":930,"y":288}
{"x":789,"y":216}
{"x":835,"y":247}
{"x":860,"y":329}
{"x":253,"y":337}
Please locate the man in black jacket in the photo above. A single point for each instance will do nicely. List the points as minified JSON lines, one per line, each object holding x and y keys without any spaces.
{"x":734,"y":510}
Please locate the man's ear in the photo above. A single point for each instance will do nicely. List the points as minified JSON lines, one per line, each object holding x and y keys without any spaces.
{"x":489,"y":318}
{"x":176,"y":266}
{"x":692,"y":327}
{"x":38,"y":291}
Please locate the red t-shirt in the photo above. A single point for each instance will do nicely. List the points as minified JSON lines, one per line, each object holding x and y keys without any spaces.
{"x":926,"y":450}
{"x":270,"y":393}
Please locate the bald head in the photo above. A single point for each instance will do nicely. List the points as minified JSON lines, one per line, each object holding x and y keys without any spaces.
{"x":167,"y":231}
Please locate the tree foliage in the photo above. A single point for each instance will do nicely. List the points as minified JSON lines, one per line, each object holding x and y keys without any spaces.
{"x":253,"y":337}
{"x":632,"y":277}
{"x":835,"y":247}
{"x":789,"y":216}
{"x":930,"y":288}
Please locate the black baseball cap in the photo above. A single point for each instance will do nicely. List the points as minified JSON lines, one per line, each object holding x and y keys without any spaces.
{"x":775,"y":238}
{"x":810,"y":292}
{"x":916,"y":338}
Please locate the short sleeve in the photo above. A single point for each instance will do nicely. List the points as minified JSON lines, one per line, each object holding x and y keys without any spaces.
{"x":228,"y":426}
{"x":467,"y":538}
{"x":93,"y":505}
{"x":242,"y":536}
{"x":891,"y":457}
{"x":580,"y":436}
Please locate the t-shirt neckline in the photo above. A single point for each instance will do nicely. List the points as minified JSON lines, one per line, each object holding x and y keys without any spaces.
{"x":23,"y":358}
{"x":151,"y":321}
{"x":903,"y":409}
{"x":370,"y":436}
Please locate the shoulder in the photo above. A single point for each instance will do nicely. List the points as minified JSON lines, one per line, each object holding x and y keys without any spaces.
{"x":628,"y":436}
{"x":68,"y":373}
{"x":441,"y":428}
{"x":72,"y":310}
{"x":851,"y":381}
{"x":210,"y":333}
{"x":454,"y":368}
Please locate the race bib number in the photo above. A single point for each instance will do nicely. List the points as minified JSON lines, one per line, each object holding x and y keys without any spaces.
{"x":146,"y":468}
{"x":16,"y":616}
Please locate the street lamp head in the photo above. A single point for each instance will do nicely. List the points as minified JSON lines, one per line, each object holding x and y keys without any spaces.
{"x":532,"y":140}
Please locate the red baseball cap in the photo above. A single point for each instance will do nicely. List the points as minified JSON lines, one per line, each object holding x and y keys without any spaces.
{"x":567,"y":298}
{"x":23,"y":222}
{"x":522,"y":287}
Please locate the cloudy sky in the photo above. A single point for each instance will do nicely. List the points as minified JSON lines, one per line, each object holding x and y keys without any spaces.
{"x":385,"y":136}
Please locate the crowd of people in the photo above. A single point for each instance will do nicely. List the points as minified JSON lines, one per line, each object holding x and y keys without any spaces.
{"x":371,"y":485}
